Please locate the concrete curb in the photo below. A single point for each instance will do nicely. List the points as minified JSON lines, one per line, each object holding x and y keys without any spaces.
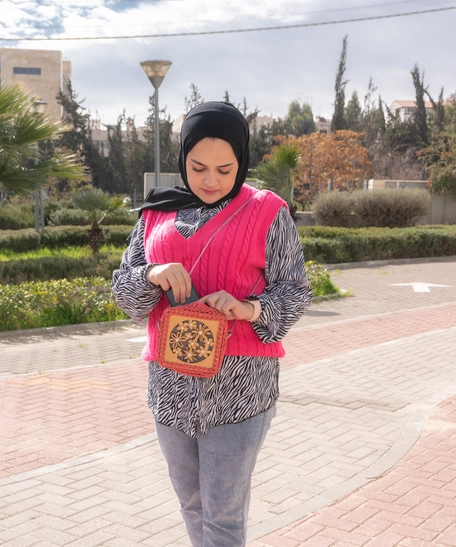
{"x":67,"y":329}
{"x":392,"y":262}
{"x":341,"y":294}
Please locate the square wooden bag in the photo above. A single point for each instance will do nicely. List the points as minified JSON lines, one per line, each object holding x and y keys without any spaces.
{"x":192,"y":340}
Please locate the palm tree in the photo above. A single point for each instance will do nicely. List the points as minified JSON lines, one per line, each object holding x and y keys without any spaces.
{"x":277,"y":172}
{"x":23,"y":168}
{"x":97,"y":205}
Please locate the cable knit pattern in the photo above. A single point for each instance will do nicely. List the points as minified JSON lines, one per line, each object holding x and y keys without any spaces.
{"x":234,"y":261}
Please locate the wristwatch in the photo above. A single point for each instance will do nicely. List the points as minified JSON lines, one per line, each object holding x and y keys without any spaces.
{"x":257,"y":307}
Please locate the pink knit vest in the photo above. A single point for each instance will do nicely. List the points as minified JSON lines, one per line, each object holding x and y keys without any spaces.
{"x":233,"y":262}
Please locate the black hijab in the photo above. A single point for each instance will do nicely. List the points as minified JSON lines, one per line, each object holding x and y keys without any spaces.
{"x":211,"y":119}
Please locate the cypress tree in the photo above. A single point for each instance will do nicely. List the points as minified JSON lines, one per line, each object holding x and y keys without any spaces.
{"x":353,"y":112}
{"x":79,"y":138}
{"x":338,"y":120}
{"x":420,"y":114}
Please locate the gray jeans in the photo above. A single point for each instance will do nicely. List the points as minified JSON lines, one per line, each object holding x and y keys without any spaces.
{"x":211,"y":476}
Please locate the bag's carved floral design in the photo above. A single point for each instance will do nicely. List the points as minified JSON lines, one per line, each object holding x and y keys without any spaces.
{"x":191,"y":341}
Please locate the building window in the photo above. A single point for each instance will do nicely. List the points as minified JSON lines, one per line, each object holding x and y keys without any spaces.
{"x":26,"y":70}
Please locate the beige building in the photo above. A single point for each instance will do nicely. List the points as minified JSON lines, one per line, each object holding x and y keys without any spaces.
{"x":323,"y":125}
{"x":43,"y":72}
{"x":261,"y":121}
{"x":405,"y":109}
{"x":256,"y":125}
{"x":100,"y":134}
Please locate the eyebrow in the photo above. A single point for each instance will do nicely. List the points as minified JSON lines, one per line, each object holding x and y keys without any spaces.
{"x":218,"y":166}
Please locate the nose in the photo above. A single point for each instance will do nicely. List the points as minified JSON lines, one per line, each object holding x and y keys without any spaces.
{"x":210,"y":179}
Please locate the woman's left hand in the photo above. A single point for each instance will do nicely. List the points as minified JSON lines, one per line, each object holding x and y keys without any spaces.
{"x":229,"y":306}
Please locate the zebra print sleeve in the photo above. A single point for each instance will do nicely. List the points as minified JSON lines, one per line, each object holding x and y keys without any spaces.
{"x":288,"y":293}
{"x":134,"y":293}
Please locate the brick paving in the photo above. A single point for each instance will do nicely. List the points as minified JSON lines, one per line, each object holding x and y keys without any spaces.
{"x":51,"y":405}
{"x":80,"y":463}
{"x":412,"y":505}
{"x":307,"y":344}
{"x":51,"y":417}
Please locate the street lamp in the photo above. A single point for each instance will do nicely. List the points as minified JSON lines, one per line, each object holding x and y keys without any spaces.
{"x":40,"y":107}
{"x":156,"y":72}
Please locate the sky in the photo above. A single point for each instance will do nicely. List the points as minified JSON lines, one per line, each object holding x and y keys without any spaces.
{"x":269,"y":68}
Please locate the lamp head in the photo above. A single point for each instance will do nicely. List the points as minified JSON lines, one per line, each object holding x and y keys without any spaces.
{"x":155,"y":71}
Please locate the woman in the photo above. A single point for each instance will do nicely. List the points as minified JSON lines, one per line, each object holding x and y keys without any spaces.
{"x":211,"y":429}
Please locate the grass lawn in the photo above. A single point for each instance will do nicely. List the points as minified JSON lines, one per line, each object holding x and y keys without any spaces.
{"x":72,"y":252}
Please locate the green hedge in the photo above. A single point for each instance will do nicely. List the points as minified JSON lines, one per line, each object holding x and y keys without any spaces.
{"x":321,"y":244}
{"x":16,"y":217}
{"x":68,"y":217}
{"x":20,"y":240}
{"x":77,"y":217}
{"x":85,"y":300}
{"x":384,"y":208}
{"x":336,"y":245}
{"x":56,"y":213}
{"x":48,"y":268}
{"x":60,"y":236}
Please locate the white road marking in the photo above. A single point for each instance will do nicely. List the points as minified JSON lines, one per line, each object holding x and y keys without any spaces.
{"x":419,"y":287}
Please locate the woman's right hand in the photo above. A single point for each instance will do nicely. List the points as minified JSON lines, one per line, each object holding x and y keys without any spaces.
{"x":172,"y":276}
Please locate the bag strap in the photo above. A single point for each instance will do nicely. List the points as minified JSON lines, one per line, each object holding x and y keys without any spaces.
{"x":217,"y":231}
{"x":230,"y":332}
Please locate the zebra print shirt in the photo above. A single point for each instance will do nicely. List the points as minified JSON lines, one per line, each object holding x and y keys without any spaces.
{"x":244,"y":386}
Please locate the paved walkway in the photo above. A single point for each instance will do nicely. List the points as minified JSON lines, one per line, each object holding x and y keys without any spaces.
{"x":362,"y":452}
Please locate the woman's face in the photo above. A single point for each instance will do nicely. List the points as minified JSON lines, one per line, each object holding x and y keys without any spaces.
{"x":211,"y":169}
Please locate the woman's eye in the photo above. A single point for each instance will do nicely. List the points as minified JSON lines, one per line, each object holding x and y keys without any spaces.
{"x":201,"y":170}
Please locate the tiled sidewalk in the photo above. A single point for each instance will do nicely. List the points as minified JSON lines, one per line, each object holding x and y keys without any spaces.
{"x":342,"y":422}
{"x":73,"y":412}
{"x":412,"y":505}
{"x":361,"y":378}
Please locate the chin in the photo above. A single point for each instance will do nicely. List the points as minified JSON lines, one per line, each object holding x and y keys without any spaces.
{"x":210,"y":199}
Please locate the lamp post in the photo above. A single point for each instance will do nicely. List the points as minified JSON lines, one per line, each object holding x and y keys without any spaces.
{"x":40,"y":107}
{"x":156,"y":72}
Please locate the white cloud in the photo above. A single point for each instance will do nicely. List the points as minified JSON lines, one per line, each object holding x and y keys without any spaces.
{"x":270,"y":68}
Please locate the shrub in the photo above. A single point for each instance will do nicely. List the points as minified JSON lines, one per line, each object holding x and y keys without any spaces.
{"x":381,"y":208}
{"x":69,"y":217}
{"x":77,"y":217}
{"x":20,"y":240}
{"x":320,"y":279}
{"x":326,"y":232}
{"x":121,"y":217}
{"x":16,"y":217}
{"x":51,"y":206}
{"x":53,"y":303}
{"x":57,"y":213}
{"x":117,"y":235}
{"x":86,"y":300}
{"x":365,"y":244}
{"x":390,"y":208}
{"x":333,"y":209}
{"x":60,"y":236}
{"x":58,"y":267}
